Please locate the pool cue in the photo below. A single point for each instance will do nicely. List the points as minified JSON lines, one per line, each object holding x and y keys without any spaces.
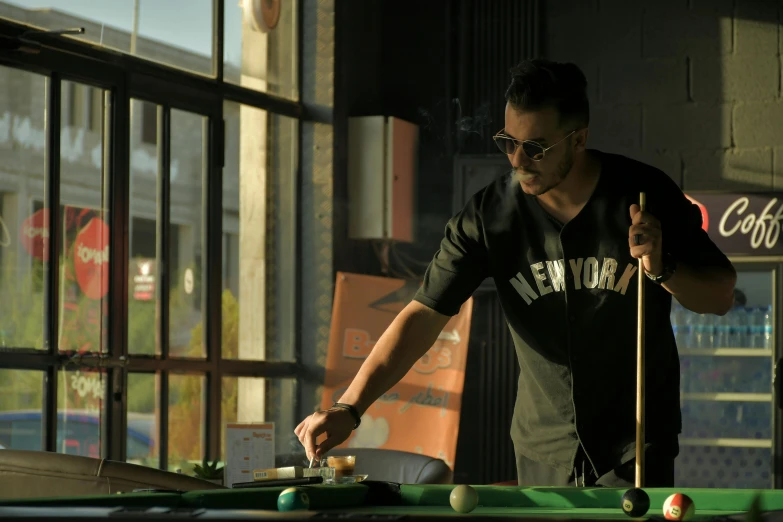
{"x":640,"y":366}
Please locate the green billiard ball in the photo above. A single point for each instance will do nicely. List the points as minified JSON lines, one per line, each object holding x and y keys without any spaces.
{"x":635,"y":502}
{"x":293,"y":499}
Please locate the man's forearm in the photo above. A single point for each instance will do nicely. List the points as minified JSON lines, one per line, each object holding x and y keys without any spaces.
{"x":407,"y":339}
{"x":703,"y":291}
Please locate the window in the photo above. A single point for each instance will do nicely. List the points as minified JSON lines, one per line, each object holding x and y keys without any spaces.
{"x":149,"y":123}
{"x":84,"y":233}
{"x":259,"y":192}
{"x":21,"y":406}
{"x":24,"y":230}
{"x":137,"y":27}
{"x":249,"y":399}
{"x":143,"y":421}
{"x":148,"y":228}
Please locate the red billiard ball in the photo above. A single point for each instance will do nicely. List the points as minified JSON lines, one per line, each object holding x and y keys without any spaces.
{"x":678,"y":507}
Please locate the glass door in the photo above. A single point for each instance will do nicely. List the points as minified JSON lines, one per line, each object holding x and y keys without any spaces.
{"x":726,"y":369}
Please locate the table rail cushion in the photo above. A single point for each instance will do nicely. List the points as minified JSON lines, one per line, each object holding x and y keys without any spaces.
{"x":125,"y":499}
{"x":333,"y":496}
{"x":727,"y":500}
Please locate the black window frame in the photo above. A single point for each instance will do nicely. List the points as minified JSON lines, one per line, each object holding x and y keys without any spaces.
{"x":124,"y":77}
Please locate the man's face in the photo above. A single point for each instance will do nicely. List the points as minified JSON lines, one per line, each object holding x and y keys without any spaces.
{"x":542,"y":127}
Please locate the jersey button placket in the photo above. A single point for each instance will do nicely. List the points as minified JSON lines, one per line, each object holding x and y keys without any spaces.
{"x":572,"y":325}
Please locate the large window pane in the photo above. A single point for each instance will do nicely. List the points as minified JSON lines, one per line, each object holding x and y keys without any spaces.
{"x":143,"y":240}
{"x":139,"y":27}
{"x":186,"y":421}
{"x":21,"y":404}
{"x":24,"y":233}
{"x":256,"y":400}
{"x":259,"y":231}
{"x":143,"y":419}
{"x":80,"y":410}
{"x":84,"y":255}
{"x":187,"y":211}
{"x":260,"y":46}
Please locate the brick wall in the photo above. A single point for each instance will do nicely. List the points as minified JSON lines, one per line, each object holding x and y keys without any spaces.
{"x":690,"y":86}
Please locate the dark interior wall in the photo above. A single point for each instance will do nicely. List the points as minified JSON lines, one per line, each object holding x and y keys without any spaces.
{"x":394,"y":61}
{"x":692,"y":87}
{"x":441,"y":64}
{"x":357,"y":92}
{"x":361,"y":56}
{"x":416,"y":87}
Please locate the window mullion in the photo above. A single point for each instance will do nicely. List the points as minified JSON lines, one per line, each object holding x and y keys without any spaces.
{"x":51,"y":271}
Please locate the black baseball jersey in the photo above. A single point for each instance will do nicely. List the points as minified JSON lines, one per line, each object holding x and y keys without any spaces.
{"x":569,"y":293}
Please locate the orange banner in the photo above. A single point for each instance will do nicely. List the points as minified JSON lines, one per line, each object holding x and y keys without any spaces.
{"x":421,"y":413}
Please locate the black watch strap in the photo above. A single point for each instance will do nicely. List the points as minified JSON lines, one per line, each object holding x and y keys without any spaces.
{"x":669,"y":266}
{"x":350,"y":409}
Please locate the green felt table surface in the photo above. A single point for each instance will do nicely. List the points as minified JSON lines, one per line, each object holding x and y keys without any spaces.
{"x":409,"y":499}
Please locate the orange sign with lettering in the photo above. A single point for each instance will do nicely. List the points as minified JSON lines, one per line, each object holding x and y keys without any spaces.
{"x":429,"y":395}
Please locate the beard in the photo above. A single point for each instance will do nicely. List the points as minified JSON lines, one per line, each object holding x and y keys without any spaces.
{"x":538,"y":186}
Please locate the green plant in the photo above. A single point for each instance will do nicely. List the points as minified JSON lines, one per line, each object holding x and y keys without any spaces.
{"x":208,"y":471}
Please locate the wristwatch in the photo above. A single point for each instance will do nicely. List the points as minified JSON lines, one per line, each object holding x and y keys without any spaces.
{"x":350,"y":409}
{"x":669,"y":267}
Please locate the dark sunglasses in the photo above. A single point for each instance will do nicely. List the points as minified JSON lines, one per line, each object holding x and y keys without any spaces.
{"x":532,"y":150}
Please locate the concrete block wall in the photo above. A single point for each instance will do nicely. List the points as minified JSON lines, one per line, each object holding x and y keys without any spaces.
{"x":690,"y":86}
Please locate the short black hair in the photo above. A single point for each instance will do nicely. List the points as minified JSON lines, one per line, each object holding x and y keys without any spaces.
{"x":536,"y":84}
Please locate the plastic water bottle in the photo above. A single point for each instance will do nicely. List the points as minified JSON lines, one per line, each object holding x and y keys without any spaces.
{"x":691,"y":333}
{"x":738,"y":322}
{"x":755,"y":328}
{"x":722,"y":331}
{"x":701,"y":331}
{"x":707,"y":338}
{"x":767,"y":325}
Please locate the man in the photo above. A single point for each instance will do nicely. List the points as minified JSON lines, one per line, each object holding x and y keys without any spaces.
{"x":561,"y":236}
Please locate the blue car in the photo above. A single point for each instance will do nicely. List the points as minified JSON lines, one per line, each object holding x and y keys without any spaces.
{"x":78,"y":433}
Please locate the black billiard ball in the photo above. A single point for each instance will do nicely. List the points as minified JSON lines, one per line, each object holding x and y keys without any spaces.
{"x":635,"y":502}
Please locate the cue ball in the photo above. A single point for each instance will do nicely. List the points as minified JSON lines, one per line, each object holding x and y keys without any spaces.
{"x":635,"y":502}
{"x":292,"y":499}
{"x":678,"y":507}
{"x":463,"y":499}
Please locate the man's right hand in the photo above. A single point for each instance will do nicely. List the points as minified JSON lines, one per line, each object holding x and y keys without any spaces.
{"x":336,"y":423}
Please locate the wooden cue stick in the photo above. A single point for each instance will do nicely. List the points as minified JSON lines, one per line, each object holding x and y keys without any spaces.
{"x":640,"y":367}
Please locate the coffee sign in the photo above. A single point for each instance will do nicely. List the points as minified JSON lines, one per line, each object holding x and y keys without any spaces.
{"x":742,"y":224}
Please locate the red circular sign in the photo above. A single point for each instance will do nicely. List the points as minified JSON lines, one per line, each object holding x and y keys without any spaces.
{"x":34,"y":234}
{"x":91,"y":259}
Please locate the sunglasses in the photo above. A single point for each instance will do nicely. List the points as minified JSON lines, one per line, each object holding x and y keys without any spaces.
{"x":532,"y":150}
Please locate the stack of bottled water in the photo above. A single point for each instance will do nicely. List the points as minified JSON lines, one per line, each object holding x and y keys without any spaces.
{"x":742,"y":327}
{"x":706,"y":372}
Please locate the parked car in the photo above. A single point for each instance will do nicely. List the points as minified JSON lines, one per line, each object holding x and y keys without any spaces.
{"x":78,"y":433}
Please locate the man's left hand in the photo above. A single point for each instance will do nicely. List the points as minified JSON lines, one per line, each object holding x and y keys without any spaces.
{"x":644,"y":238}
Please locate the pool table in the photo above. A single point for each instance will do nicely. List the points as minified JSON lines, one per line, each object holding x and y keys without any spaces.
{"x":388,"y":501}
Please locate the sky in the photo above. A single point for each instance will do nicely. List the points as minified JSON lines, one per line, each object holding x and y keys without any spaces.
{"x":183,"y":23}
